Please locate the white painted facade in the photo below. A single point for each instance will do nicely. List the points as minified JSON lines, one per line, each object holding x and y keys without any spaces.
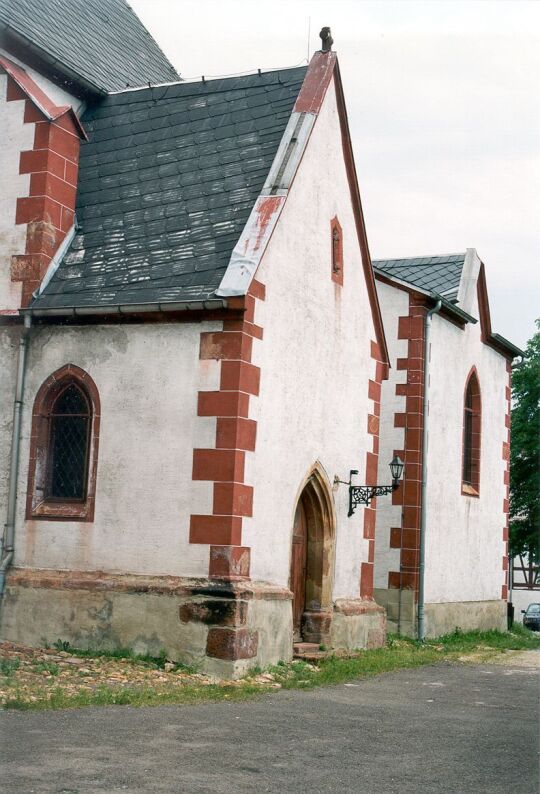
{"x":464,"y":534}
{"x":315,"y":365}
{"x":148,"y":377}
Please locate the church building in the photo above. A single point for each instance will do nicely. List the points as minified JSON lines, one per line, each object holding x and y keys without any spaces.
{"x":192,"y":351}
{"x":198,"y":402}
{"x":441,"y":556}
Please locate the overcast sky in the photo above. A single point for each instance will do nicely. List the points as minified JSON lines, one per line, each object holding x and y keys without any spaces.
{"x":444,"y":110}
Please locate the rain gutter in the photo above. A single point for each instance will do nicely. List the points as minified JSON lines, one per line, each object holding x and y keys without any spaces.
{"x":8,"y":540}
{"x":127,"y":308}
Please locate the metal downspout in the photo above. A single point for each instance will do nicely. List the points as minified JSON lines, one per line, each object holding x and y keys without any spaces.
{"x":9,"y":533}
{"x":425,"y":403}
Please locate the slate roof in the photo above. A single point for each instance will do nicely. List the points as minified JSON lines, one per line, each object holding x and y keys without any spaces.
{"x":440,"y":274}
{"x":102,"y":41}
{"x":166,"y":185}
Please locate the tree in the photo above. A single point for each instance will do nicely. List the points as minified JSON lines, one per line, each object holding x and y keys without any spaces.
{"x":525,"y":454}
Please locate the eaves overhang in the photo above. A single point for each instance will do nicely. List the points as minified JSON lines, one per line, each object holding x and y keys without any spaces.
{"x":504,"y":346}
{"x":42,"y":61}
{"x":126,"y":309}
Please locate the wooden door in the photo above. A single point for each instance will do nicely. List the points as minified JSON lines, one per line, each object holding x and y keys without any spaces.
{"x":298,"y":569}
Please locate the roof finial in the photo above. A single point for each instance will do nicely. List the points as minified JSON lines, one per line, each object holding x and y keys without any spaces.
{"x":327,"y":40}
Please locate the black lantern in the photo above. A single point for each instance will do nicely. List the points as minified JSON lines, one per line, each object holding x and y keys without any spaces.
{"x":396,"y":467}
{"x":363,"y":494}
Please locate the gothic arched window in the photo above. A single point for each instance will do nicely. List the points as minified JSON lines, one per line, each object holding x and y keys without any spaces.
{"x":64,"y":445}
{"x":69,"y":444}
{"x":472,"y":421}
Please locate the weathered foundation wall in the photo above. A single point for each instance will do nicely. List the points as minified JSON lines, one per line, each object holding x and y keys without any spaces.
{"x":222,"y":628}
{"x":441,"y":618}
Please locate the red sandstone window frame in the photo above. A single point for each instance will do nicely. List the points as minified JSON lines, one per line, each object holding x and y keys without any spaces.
{"x":472,"y":432}
{"x":336,"y":248}
{"x":38,"y":505}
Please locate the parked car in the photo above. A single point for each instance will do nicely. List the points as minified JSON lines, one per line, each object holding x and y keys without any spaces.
{"x":531,"y":617}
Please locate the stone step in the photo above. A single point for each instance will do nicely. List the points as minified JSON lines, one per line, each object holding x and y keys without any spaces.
{"x":305,"y":647}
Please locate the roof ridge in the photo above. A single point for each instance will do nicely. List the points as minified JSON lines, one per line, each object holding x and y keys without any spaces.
{"x":422,"y":256}
{"x":204,"y":80}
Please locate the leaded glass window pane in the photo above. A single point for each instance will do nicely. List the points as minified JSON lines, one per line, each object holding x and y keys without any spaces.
{"x":68,"y":450}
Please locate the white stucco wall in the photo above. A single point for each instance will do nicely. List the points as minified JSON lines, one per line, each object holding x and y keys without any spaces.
{"x":464,"y":545}
{"x":15,"y":136}
{"x":315,"y":365}
{"x":148,"y":377}
{"x":394,"y":304}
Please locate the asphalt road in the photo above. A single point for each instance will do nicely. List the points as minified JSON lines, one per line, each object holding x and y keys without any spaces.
{"x":449,"y":728}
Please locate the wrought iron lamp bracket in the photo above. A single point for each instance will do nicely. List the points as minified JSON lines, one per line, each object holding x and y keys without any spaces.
{"x":363,"y":494}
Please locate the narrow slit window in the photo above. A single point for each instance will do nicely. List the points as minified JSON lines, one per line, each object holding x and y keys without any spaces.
{"x":337,"y":250}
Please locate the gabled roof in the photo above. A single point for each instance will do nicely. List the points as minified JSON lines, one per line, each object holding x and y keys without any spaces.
{"x":102,"y":42}
{"x":440,"y":274}
{"x":457,"y":279}
{"x":166,"y":185}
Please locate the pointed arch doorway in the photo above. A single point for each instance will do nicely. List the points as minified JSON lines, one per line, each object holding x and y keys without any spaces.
{"x":312,"y":560}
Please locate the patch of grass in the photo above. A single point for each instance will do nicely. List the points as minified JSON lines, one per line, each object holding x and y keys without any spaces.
{"x":61,"y":645}
{"x":9,"y":666}
{"x":363,"y":664}
{"x":518,"y":639}
{"x":51,"y":668}
{"x":132,"y":696}
{"x":399,"y":653}
{"x":126,"y":654}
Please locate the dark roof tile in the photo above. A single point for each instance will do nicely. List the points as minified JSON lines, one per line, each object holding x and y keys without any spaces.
{"x":440,"y":274}
{"x":161,"y":209}
{"x":101,"y":41}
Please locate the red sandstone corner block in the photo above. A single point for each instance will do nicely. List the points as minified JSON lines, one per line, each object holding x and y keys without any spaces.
{"x":240,"y":376}
{"x":374,"y":391}
{"x":221,"y":530}
{"x":229,"y":562}
{"x":370,"y":516}
{"x":232,"y":644}
{"x":221,"y":465}
{"x":372,"y":463}
{"x":366,"y":580}
{"x":375,"y":351}
{"x":395,"y":537}
{"x":373,"y":424}
{"x":232,"y":433}
{"x":257,"y":289}
{"x":38,"y":208}
{"x":223,"y":403}
{"x":225,"y":345}
{"x":232,"y":498}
